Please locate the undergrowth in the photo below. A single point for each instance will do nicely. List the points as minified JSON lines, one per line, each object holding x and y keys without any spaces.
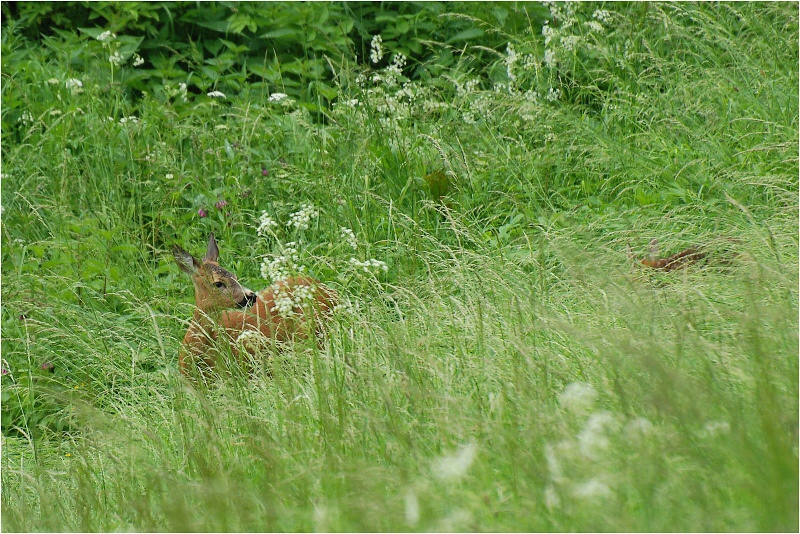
{"x":499,"y":363}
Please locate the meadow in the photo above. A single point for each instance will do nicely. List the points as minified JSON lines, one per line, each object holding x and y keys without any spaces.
{"x":498,"y":362}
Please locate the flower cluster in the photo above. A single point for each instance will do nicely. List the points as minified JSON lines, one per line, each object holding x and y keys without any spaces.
{"x":369,"y":265}
{"x":349,"y":237}
{"x":252,"y":340}
{"x":376,"y":49}
{"x":395,"y":70}
{"x":283,"y":265}
{"x":116,"y":59}
{"x":578,"y":467}
{"x":286,"y":301}
{"x":265,"y":222}
{"x":74,"y":85}
{"x":277,"y":97}
{"x":106,"y":37}
{"x":301,"y":219}
{"x":179,"y":92}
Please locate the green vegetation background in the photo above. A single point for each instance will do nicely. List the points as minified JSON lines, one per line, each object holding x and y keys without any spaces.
{"x":510,"y":369}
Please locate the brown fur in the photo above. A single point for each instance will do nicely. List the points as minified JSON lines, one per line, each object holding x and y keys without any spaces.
{"x":680,"y":260}
{"x":687,"y":257}
{"x":216,"y":317}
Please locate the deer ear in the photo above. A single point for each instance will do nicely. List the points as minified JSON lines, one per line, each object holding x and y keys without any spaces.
{"x":212,"y":253}
{"x":185,"y":261}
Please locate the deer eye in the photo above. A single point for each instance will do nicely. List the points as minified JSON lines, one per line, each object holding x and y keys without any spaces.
{"x":219,"y":284}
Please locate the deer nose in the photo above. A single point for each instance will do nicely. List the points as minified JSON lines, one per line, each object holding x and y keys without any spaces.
{"x":248,"y":300}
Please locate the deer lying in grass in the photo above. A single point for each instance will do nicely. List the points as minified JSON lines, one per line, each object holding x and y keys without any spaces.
{"x":228,"y":313}
{"x":682,"y":259}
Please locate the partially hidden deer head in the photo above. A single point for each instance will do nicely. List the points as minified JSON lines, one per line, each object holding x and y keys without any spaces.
{"x":228,"y":313}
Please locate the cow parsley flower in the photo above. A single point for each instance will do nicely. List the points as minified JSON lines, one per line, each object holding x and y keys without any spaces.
{"x":369,"y":265}
{"x":349,"y":237}
{"x":603,"y":16}
{"x":594,"y":436}
{"x":549,"y":58}
{"x":594,"y":26}
{"x":74,"y":85}
{"x":301,"y":219}
{"x":265,"y":223}
{"x":578,"y":397}
{"x":277,"y":97}
{"x":376,"y":49}
{"x":591,"y":489}
{"x":510,"y":59}
{"x":453,"y":467}
{"x":553,"y":94}
{"x":116,"y":59}
{"x":106,"y":36}
{"x":216,"y":94}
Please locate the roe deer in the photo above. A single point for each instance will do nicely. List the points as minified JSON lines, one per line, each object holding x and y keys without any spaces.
{"x":290,"y":308}
{"x":682,"y":259}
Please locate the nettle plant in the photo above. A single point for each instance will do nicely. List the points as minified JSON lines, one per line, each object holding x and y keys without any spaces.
{"x":292,"y":246}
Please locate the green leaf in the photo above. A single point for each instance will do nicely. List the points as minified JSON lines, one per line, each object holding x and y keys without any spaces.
{"x":466,"y":35}
{"x":281,"y":33}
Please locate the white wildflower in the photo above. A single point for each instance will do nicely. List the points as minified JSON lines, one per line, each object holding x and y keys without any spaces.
{"x":529,"y":62}
{"x":594,"y":436}
{"x":132,"y":120}
{"x":349,"y":237}
{"x":265,"y":223}
{"x":26,"y":117}
{"x":553,"y":95}
{"x":216,"y":94}
{"x":578,"y":398}
{"x":570,"y":42}
{"x":411,"y":508}
{"x":287,"y":300}
{"x":395,"y":70}
{"x":548,"y":33}
{"x":510,"y":59}
{"x":106,"y":36}
{"x":53,"y":81}
{"x":369,"y":265}
{"x":301,"y":219}
{"x":74,"y":85}
{"x":603,"y":16}
{"x":553,"y":465}
{"x":455,"y":466}
{"x":591,"y":489}
{"x":252,"y":340}
{"x":137,"y":60}
{"x":594,"y":26}
{"x":714,"y":428}
{"x":638,"y":428}
{"x":376,"y":49}
{"x":549,"y":58}
{"x":169,"y":176}
{"x":116,"y":59}
{"x":277,"y":97}
{"x":551,"y":499}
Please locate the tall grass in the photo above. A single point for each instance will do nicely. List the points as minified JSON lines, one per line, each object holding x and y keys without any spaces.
{"x":511,"y":371}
